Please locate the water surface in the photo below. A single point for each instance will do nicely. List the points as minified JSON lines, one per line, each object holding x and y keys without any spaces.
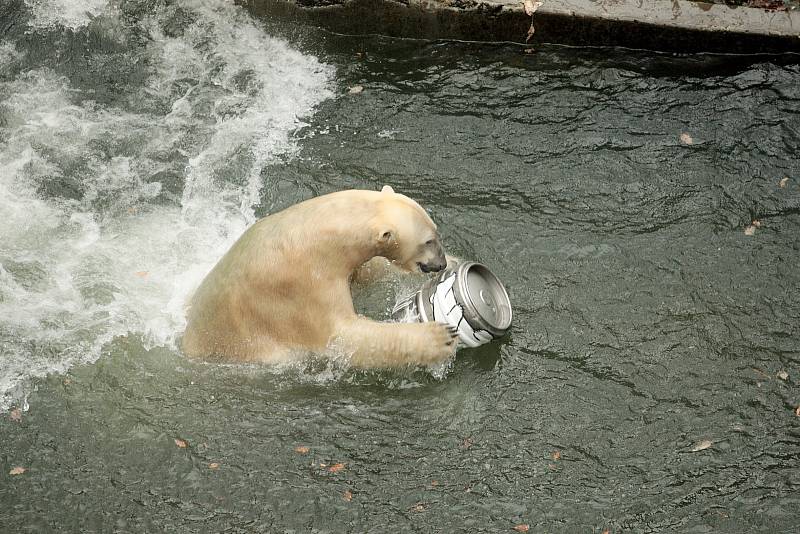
{"x":139,"y":139}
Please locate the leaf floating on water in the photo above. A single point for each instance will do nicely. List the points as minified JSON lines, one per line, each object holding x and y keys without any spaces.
{"x":783,"y":375}
{"x":348,"y":495}
{"x":335,"y":468}
{"x":213,"y":465}
{"x":356,"y":89}
{"x":797,"y":411}
{"x":419,"y":507}
{"x":686,"y":139}
{"x":556,"y":455}
{"x":750,"y":230}
{"x":606,"y":531}
{"x":142,"y":274}
{"x":466,"y":443}
{"x":529,"y":50}
{"x":783,"y":182}
{"x":702,"y":445}
{"x":301,"y":449}
{"x":531,"y":31}
{"x":17,"y":471}
{"x":756,"y":223}
{"x":522,"y":527}
{"x":182,"y":444}
{"x":16,"y":415}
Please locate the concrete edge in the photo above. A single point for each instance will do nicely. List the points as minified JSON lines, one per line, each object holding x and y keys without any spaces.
{"x":661,"y":25}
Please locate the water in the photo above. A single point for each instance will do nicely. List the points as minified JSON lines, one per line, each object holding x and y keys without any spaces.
{"x":140,"y":138}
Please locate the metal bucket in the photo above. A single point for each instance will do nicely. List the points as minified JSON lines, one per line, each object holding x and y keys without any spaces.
{"x":466,"y":296}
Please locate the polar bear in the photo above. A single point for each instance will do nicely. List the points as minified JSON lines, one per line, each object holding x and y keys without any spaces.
{"x":283,"y":289}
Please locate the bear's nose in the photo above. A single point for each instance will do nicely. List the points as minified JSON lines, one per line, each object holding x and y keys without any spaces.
{"x":432,"y":267}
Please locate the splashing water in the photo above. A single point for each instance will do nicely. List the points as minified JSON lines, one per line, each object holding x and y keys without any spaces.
{"x":119,"y":193}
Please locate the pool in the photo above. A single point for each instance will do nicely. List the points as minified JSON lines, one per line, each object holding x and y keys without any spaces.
{"x":642,"y":209}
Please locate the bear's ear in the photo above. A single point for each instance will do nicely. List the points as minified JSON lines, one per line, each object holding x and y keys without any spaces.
{"x":386,"y":237}
{"x":387,"y":189}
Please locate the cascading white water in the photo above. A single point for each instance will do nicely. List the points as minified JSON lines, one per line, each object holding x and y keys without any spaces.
{"x":113,"y":209}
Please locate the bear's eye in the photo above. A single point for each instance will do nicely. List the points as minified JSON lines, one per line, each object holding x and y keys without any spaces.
{"x":429,"y":242}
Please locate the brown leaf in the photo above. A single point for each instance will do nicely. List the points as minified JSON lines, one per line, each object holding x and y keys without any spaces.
{"x":301,"y":449}
{"x":466,"y":443}
{"x":783,"y":375}
{"x":182,"y":444}
{"x":434,"y":483}
{"x":797,"y":411}
{"x":335,"y":468}
{"x":17,"y":471}
{"x":750,"y":230}
{"x":531,"y":31}
{"x":686,"y":139}
{"x":606,"y":531}
{"x":756,"y":223}
{"x":702,"y":445}
{"x":783,"y":182}
{"x":556,"y":455}
{"x":522,"y":527}
{"x":142,"y":274}
{"x":16,"y":415}
{"x":348,"y":495}
{"x":356,"y":89}
{"x":213,"y":465}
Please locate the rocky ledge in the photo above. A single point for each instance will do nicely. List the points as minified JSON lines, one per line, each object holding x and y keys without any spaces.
{"x":664,"y":25}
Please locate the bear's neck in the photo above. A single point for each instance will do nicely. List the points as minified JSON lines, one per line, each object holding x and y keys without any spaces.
{"x":345,"y":247}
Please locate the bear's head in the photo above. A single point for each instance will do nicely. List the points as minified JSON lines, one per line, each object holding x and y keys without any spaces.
{"x":407,"y":236}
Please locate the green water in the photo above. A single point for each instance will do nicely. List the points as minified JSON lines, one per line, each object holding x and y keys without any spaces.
{"x":646,"y":320}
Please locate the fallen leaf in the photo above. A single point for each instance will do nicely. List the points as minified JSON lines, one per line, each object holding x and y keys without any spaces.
{"x":17,"y":471}
{"x":797,"y":411}
{"x":419,"y":507}
{"x":356,"y":89}
{"x":348,"y":495}
{"x":523,"y":527}
{"x":466,"y":443}
{"x":213,"y":465}
{"x":302,"y":449}
{"x":606,"y":531}
{"x":783,"y":375}
{"x":756,"y":223}
{"x":16,"y":415}
{"x":181,"y":443}
{"x":783,"y":182}
{"x":531,"y":7}
{"x":686,"y":139}
{"x":702,"y":445}
{"x":529,"y":50}
{"x":434,"y":483}
{"x":142,"y":274}
{"x":556,"y":455}
{"x":335,"y":468}
{"x":750,"y":230}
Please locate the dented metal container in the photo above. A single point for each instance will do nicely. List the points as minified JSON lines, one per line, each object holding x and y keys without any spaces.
{"x":467,"y":296}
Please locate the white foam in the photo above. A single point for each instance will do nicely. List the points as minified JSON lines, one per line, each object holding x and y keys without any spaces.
{"x":67,"y":13}
{"x":119,"y":257}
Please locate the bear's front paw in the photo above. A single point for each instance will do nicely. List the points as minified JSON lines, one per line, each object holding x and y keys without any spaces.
{"x":438,"y":342}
